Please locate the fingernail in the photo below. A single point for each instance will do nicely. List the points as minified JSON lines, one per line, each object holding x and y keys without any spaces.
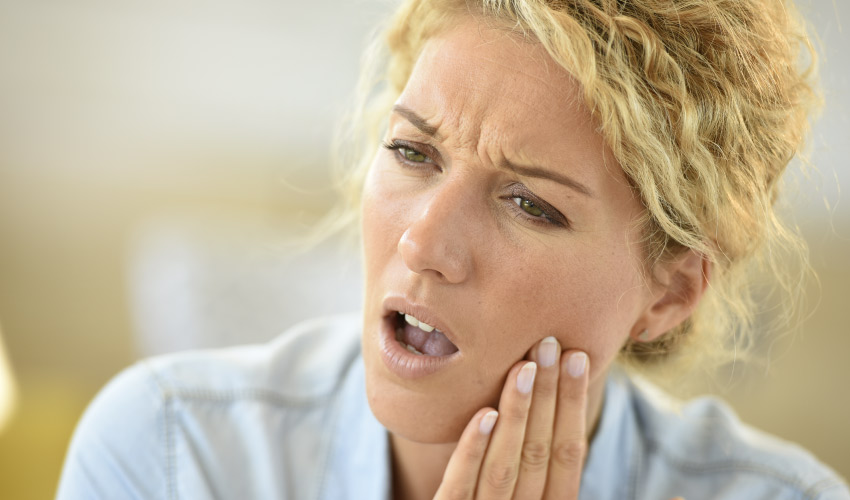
{"x":577,"y":364}
{"x":525,"y":379}
{"x":547,"y":353}
{"x":488,"y":421}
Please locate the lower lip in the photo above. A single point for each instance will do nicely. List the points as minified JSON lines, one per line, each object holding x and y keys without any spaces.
{"x":404,"y":363}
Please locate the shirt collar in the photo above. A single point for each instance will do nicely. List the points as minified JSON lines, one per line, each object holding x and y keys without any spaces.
{"x":358,"y":460}
{"x":611,"y":466}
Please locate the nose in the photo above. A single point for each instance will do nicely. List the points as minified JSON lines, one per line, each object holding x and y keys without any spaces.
{"x":437,"y":241}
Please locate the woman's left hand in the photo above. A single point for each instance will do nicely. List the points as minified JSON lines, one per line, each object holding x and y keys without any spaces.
{"x":538,"y":445}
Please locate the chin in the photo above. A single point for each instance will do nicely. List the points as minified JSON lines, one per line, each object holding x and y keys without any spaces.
{"x":433,"y":409}
{"x":418,"y":416}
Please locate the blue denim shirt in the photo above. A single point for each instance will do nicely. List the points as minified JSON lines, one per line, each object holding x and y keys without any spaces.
{"x":290,"y":420}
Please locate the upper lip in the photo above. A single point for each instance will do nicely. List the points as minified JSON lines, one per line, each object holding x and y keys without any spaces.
{"x":396,"y":304}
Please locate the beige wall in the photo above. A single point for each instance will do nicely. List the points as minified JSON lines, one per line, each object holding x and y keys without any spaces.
{"x":114,"y":116}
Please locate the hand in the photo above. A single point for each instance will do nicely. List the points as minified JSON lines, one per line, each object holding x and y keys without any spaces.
{"x":534,"y":447}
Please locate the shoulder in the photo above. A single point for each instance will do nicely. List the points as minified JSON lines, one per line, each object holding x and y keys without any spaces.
{"x":303,"y":365}
{"x":184,"y":420}
{"x":127,"y":413}
{"x":704,"y":444}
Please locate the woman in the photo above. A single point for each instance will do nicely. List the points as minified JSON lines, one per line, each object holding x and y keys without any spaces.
{"x":561,"y":185}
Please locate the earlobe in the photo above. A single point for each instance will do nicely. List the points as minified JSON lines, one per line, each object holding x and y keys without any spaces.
{"x":680,"y":285}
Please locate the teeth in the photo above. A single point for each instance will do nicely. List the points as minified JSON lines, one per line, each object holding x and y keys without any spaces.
{"x":411,"y":348}
{"x":411,"y":320}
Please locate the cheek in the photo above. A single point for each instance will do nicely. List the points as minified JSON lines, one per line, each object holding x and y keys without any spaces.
{"x":381,"y":224}
{"x":586,"y":299}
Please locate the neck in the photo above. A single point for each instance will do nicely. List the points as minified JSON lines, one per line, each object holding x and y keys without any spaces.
{"x":417,"y":468}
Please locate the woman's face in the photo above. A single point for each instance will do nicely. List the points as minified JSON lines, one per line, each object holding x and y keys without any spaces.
{"x":498,"y":216}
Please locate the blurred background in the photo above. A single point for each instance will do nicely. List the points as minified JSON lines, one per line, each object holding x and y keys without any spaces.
{"x":158,"y":159}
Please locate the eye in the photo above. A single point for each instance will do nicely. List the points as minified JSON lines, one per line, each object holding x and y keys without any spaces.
{"x":529,"y":207}
{"x":413,"y":155}
{"x":408,"y":153}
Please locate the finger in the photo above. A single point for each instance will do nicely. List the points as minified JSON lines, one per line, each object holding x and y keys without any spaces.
{"x":501,"y":463}
{"x":461,"y":474}
{"x":569,"y":441}
{"x":534,"y":461}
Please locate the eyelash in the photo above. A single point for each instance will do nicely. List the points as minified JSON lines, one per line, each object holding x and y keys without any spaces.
{"x":546,"y":219}
{"x":396,"y":146}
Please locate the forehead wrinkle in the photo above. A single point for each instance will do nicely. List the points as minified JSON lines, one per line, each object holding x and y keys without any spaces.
{"x":474,"y":89}
{"x":449,"y":103}
{"x":469,"y":122}
{"x":478,"y":113}
{"x":484,"y":129}
{"x":475,"y":123}
{"x":564,"y":88}
{"x":463,"y":114}
{"x":528,"y":52}
{"x":490,"y":132}
{"x":527,"y":57}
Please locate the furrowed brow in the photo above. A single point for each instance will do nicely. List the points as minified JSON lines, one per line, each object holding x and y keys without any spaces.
{"x":417,"y":121}
{"x":542,"y":173}
{"x":527,"y":171}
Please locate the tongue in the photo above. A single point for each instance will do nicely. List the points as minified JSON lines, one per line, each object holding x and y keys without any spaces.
{"x":431,"y":343}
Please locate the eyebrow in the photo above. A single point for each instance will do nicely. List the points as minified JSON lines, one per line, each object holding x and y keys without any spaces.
{"x":417,"y":121}
{"x":526,"y":171}
{"x":542,"y":173}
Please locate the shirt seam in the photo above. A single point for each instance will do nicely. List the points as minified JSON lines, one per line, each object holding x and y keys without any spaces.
{"x":824,"y":485}
{"x":733,"y":465}
{"x":171,"y":451}
{"x":170,"y":395}
{"x":334,"y":418}
{"x":168,"y":431}
{"x":255,"y":394}
{"x":634,"y":473}
{"x":323,"y":466}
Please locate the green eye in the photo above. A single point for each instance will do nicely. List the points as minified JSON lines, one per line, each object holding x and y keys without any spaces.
{"x":414,"y":156}
{"x":529,"y":207}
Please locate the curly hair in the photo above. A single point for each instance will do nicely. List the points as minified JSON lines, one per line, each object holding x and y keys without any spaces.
{"x":703,"y":103}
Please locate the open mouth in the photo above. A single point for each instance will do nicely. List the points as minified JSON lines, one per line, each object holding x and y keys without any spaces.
{"x":419,"y":337}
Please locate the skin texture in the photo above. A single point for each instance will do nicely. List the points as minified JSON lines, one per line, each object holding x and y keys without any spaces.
{"x":442,"y":227}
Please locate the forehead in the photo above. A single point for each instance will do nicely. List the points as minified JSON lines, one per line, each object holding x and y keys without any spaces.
{"x":478,"y":81}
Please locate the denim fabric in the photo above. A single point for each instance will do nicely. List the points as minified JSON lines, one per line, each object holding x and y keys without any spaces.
{"x":290,"y":420}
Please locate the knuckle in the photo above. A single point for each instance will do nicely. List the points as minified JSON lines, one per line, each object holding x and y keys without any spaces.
{"x":455,"y":493}
{"x":535,"y":453}
{"x":514,"y":413}
{"x":545,"y":386}
{"x":469,"y":456}
{"x":569,"y":454}
{"x":501,"y":476}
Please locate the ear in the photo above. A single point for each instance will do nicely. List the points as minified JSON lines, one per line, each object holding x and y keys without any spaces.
{"x":677,"y":289}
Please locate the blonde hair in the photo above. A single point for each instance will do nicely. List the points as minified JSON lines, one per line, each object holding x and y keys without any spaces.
{"x":703,"y":104}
